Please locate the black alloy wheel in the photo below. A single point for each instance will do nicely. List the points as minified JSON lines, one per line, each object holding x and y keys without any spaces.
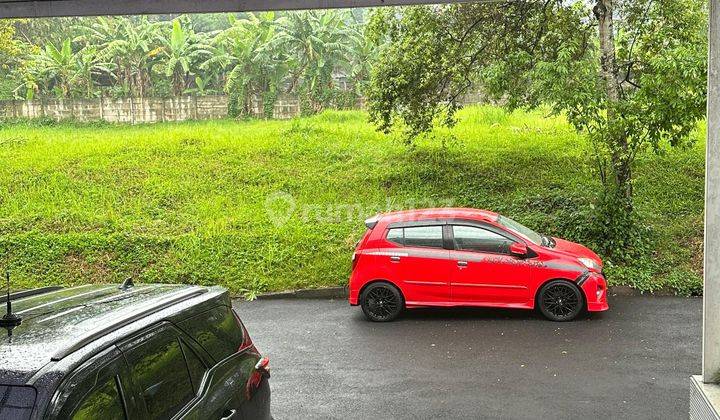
{"x":560,"y":300}
{"x":381,"y":302}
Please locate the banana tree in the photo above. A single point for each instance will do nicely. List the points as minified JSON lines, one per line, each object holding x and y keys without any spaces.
{"x":320,"y":42}
{"x":54,"y":68}
{"x":133,"y":45}
{"x":88,"y":66}
{"x":250,"y":48}
{"x":183,"y":52}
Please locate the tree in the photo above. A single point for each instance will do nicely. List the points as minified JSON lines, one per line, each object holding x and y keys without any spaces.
{"x":63,"y":72}
{"x":47,"y":31}
{"x":88,"y":66}
{"x":133,"y":45}
{"x":55,"y":68}
{"x":183,"y":52}
{"x":628,"y":74}
{"x":257,"y":62}
{"x":318,"y":43}
{"x":363,"y":52}
{"x":9,"y":45}
{"x":11,"y":54}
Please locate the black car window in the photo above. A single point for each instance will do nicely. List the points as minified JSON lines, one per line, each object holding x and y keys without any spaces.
{"x":426,"y":236}
{"x":16,"y":402}
{"x":93,"y":390}
{"x":158,"y":369}
{"x":101,"y":403}
{"x":216,"y":330}
{"x":469,"y":238}
{"x":195,"y":366}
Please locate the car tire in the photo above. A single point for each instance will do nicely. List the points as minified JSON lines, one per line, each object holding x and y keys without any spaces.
{"x":560,"y":301}
{"x":381,"y":302}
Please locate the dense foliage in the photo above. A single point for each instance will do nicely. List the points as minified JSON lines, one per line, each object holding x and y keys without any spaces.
{"x":627,"y":74}
{"x":319,"y":55}
{"x":272,"y":205}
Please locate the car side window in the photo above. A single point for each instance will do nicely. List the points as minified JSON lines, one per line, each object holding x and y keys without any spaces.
{"x":159,"y":370}
{"x":470,"y":238}
{"x":195,"y":366}
{"x":104,"y":402}
{"x":396,"y":235}
{"x":92,"y":391}
{"x":217,"y":331}
{"x":424,"y":236}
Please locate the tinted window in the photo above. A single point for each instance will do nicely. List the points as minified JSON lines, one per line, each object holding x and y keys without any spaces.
{"x":195,"y":366}
{"x":158,"y":368}
{"x":395,"y":235}
{"x":92,"y":391}
{"x":429,"y":236}
{"x":468,"y":238}
{"x":102,"y":403}
{"x":16,"y":402}
{"x":217,"y":331}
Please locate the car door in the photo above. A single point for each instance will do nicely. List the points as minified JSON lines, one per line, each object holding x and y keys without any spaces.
{"x":485,"y":273}
{"x":169,"y":375}
{"x":421,"y":264}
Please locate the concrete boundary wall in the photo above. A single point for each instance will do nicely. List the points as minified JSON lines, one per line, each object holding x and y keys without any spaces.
{"x":151,"y":110}
{"x":121,"y":110}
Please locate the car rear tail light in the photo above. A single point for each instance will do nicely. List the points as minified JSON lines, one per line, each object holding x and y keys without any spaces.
{"x":247,"y":342}
{"x":355,"y":258}
{"x":263,"y":365}
{"x":260,"y":371}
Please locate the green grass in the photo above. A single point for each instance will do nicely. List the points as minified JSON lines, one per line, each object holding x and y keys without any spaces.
{"x":203,"y":202}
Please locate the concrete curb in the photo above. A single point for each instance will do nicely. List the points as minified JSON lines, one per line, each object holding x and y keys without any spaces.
{"x":341,"y":292}
{"x":629,"y":291}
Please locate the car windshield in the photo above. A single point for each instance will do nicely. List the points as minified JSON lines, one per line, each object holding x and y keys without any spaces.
{"x":514,"y":226}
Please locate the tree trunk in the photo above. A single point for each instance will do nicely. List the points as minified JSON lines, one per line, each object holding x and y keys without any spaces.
{"x":603,"y":12}
{"x":621,"y":159}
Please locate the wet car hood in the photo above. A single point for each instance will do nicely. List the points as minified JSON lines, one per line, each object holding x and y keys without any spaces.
{"x":576,"y":250}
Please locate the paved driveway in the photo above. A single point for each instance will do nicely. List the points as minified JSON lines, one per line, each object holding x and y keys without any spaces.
{"x":328,"y":362}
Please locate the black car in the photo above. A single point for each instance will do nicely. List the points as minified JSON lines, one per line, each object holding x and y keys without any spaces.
{"x":130,"y":352}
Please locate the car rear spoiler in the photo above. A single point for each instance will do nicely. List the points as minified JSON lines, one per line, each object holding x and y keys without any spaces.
{"x":371,"y":222}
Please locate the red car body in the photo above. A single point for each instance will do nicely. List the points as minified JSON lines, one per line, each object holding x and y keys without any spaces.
{"x":507,"y":270}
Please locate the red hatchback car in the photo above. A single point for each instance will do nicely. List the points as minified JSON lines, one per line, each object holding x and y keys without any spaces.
{"x":467,"y":257}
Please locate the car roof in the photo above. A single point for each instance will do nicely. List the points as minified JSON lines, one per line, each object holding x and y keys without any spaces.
{"x":58,"y":322}
{"x":439,"y":213}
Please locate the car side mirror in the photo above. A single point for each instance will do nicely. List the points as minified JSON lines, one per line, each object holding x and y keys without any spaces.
{"x":518,"y":249}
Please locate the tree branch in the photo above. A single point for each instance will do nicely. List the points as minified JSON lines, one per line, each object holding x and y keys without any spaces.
{"x":630,"y":61}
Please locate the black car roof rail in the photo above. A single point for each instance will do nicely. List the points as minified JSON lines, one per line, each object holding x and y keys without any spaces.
{"x":121,"y":322}
{"x":32,"y":292}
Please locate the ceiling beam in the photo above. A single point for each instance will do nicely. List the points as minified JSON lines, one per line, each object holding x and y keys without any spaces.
{"x":53,"y":8}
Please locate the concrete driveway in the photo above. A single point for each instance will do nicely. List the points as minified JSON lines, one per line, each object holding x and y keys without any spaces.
{"x":328,"y":362}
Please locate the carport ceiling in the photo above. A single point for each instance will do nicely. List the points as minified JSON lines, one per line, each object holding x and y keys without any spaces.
{"x":49,"y":8}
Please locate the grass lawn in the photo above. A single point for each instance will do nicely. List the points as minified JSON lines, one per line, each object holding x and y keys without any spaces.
{"x":273,"y":205}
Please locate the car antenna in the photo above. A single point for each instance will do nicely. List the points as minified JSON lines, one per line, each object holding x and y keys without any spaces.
{"x":10,"y":320}
{"x":128,"y":283}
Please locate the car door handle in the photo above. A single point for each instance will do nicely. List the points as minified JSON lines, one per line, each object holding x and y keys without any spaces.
{"x":395,"y":258}
{"x":462,"y":263}
{"x":228,"y":414}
